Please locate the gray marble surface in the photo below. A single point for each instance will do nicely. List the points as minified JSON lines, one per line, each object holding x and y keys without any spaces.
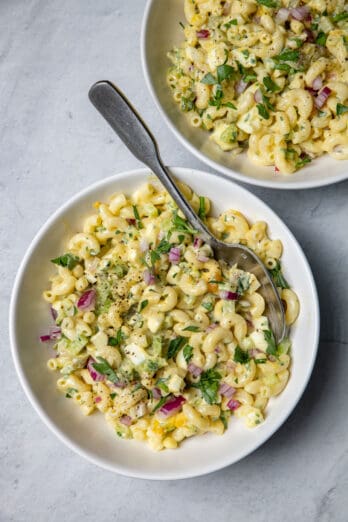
{"x":52,"y":145}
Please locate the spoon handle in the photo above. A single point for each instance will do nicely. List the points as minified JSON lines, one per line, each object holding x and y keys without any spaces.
{"x":126,"y":122}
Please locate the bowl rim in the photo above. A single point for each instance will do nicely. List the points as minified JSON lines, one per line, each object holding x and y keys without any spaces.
{"x":221,"y":169}
{"x":88,"y":455}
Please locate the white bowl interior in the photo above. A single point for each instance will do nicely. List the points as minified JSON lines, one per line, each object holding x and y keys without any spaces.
{"x":90,"y":436}
{"x":161,"y":32}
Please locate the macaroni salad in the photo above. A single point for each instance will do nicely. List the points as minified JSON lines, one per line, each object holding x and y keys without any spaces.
{"x":269,"y":76}
{"x":155,"y":333}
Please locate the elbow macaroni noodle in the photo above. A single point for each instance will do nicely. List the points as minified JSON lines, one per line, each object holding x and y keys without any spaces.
{"x":262,"y":80}
{"x":165,"y":322}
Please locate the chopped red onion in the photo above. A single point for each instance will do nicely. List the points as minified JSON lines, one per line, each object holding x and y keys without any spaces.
{"x":194,"y":370}
{"x":54,"y":313}
{"x":96,"y":376}
{"x":131,"y":221}
{"x":203,"y":34}
{"x":217,"y":349}
{"x":144,"y":245}
{"x":119,"y":384}
{"x":320,"y":100}
{"x":317,"y":83}
{"x":126,"y":420}
{"x":156,"y":393}
{"x":226,"y":390}
{"x":300,"y":13}
{"x":211,"y":327}
{"x":276,"y":169}
{"x":258,"y":96}
{"x":282,"y":15}
{"x":233,"y":404}
{"x":55,"y":333}
{"x":228,"y":296}
{"x":45,"y":338}
{"x":254,"y":352}
{"x":97,"y":399}
{"x":241,"y":86}
{"x":309,"y":36}
{"x":174,"y":255}
{"x":172,"y":406}
{"x":202,"y":259}
{"x":149,"y":277}
{"x":197,"y":242}
{"x":87,"y":301}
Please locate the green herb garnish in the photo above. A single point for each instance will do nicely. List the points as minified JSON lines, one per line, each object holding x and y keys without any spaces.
{"x":191,"y":329}
{"x":116,"y":341}
{"x":270,"y":84}
{"x":70,"y":392}
{"x":271,"y":344}
{"x":160,"y":403}
{"x":209,"y":385}
{"x":302,"y":161}
{"x":201,"y":210}
{"x":137,"y":218}
{"x":263,"y":112}
{"x":182,"y":225}
{"x":339,"y":17}
{"x":113,"y":395}
{"x":174,"y":346}
{"x":277,"y":275}
{"x":67,"y":261}
{"x":240,"y":356}
{"x":321,"y":39}
{"x":231,"y":22}
{"x":208,"y":306}
{"x":268,"y":3}
{"x":188,"y":352}
{"x":341,"y":109}
{"x":143,"y":305}
{"x":288,"y":55}
{"x":103,"y":367}
{"x":209,"y":79}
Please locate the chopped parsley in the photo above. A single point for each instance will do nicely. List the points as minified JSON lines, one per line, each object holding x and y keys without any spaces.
{"x":303,"y":160}
{"x":116,"y":341}
{"x":240,"y":356}
{"x":268,"y":3}
{"x":277,"y":275}
{"x":201,"y":210}
{"x":137,"y":218}
{"x":182,"y":225}
{"x":187,"y":104}
{"x":225,"y":72}
{"x":143,"y":305}
{"x":188,"y":352}
{"x":209,"y":79}
{"x":288,"y":55}
{"x":174,"y":346}
{"x":161,"y":384}
{"x":339,"y":17}
{"x":341,"y":109}
{"x":70,"y":392}
{"x":209,"y":384}
{"x":67,"y":261}
{"x":263,"y":112}
{"x":191,"y":329}
{"x":230,"y":23}
{"x":103,"y":367}
{"x":163,"y":247}
{"x":224,"y":420}
{"x":321,"y":39}
{"x":113,"y":395}
{"x":271,"y":344}
{"x":270,"y":84}
{"x":160,"y":403}
{"x":208,"y":306}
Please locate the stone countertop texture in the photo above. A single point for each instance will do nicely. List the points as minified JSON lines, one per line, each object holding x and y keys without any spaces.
{"x":53,"y":144}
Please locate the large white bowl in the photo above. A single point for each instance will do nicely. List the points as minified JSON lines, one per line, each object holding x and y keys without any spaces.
{"x":160,"y":33}
{"x":90,"y":436}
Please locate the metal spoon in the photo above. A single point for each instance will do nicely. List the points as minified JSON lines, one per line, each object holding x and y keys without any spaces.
{"x":125,"y":121}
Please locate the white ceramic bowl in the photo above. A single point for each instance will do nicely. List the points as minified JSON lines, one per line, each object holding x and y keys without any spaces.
{"x":90,"y":436}
{"x":160,"y":33}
